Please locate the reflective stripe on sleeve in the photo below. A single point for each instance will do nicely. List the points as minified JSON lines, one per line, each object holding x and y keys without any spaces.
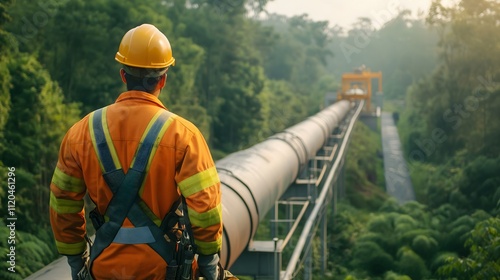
{"x":67,"y":183}
{"x":65,"y":206}
{"x":71,"y":248}
{"x":199,"y":182}
{"x":208,"y":248}
{"x":206,"y":219}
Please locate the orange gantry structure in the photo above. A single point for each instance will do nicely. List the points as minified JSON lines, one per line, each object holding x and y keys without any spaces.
{"x":357,"y":85}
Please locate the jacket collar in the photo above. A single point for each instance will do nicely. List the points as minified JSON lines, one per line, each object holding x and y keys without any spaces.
{"x":139,"y":96}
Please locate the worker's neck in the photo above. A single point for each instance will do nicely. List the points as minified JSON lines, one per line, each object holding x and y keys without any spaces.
{"x":156,"y":93}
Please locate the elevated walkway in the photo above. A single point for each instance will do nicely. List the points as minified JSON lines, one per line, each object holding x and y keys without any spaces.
{"x":397,"y":177}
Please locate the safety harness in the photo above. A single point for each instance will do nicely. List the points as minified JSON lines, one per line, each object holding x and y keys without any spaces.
{"x":126,"y":201}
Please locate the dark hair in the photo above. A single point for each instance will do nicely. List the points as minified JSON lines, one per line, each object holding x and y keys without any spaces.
{"x":147,"y":84}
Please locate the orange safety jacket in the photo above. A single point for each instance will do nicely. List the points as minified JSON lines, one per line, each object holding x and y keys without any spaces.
{"x":180,"y":164}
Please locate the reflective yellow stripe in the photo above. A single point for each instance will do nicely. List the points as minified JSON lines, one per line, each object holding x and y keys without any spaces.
{"x":92,"y":137}
{"x":157,"y":142}
{"x":150,"y":124}
{"x":67,"y":183}
{"x":208,"y":248}
{"x":155,"y":146}
{"x":206,"y":219}
{"x":71,"y":248}
{"x":199,"y":182}
{"x":65,"y":206}
{"x":112,"y":149}
{"x":105,"y":129}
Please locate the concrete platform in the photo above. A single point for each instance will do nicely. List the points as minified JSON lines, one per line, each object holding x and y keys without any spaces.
{"x":57,"y":270}
{"x":397,"y":177}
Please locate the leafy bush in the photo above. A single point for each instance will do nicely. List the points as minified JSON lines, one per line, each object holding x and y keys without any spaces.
{"x":483,"y":262}
{"x":370,"y":256}
{"x":395,"y":276}
{"x":32,"y":252}
{"x":411,"y":264}
{"x":424,"y":246}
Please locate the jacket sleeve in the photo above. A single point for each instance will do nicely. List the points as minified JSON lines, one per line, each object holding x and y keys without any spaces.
{"x":67,"y":190}
{"x":199,"y":183}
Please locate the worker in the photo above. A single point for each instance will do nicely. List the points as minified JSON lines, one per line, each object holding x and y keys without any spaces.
{"x":138,"y":163}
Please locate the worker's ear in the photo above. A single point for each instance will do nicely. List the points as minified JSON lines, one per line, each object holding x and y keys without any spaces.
{"x":122,"y":75}
{"x":162,"y":81}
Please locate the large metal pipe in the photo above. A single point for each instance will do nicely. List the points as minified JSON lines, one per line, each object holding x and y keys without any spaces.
{"x":253,"y":179}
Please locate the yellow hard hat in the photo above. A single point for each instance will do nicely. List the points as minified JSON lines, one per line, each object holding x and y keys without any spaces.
{"x":145,"y":47}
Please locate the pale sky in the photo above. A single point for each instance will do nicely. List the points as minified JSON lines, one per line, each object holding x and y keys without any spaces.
{"x":345,"y":12}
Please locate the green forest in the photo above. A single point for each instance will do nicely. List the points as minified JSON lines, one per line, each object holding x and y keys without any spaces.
{"x":443,"y":82}
{"x":241,"y":78}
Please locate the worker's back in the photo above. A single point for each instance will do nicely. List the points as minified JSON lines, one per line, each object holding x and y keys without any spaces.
{"x":127,"y":120}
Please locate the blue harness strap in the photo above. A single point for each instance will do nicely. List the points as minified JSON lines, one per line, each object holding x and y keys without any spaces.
{"x":125,"y":188}
{"x":102,"y":148}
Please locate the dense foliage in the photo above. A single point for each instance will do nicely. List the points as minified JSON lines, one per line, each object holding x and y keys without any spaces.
{"x":456,"y":108}
{"x":33,"y":119}
{"x":364,"y":169}
{"x":451,"y":231}
{"x":452,"y":143}
{"x":448,"y":129}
